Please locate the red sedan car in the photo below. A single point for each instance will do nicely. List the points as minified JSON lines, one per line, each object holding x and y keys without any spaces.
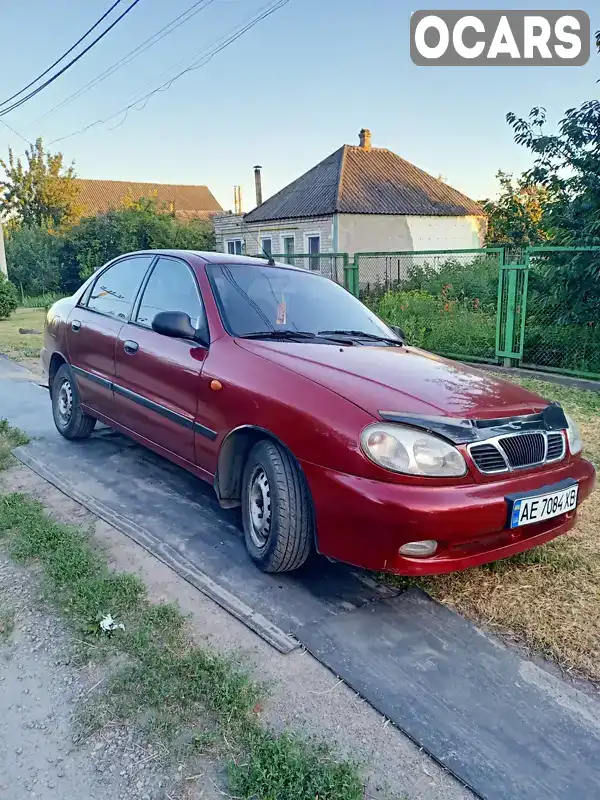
{"x":297,"y":403}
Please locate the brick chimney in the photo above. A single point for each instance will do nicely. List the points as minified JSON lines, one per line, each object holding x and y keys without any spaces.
{"x":258,"y":184}
{"x":365,"y":139}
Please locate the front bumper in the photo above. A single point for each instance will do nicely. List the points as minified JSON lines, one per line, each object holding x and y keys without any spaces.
{"x":364,"y":522}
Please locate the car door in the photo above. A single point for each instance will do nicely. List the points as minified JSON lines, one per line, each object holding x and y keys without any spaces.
{"x":157,"y":377}
{"x":93,"y":327}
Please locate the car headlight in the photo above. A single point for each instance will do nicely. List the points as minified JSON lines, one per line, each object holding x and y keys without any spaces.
{"x":574,"y":437}
{"x":412,"y":452}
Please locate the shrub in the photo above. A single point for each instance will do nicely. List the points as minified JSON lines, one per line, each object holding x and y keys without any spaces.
{"x":138,"y":227}
{"x":33,"y":257}
{"x":439,"y":324}
{"x":8,"y":297}
{"x":477,"y":279}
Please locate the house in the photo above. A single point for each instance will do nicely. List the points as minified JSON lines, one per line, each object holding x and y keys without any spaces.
{"x":185,"y":202}
{"x":357,"y":199}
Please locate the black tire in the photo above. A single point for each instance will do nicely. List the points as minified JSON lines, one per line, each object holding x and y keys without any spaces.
{"x":286,"y":541}
{"x":71,"y":422}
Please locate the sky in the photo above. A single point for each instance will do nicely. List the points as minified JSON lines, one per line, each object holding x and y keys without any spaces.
{"x":285,"y":95}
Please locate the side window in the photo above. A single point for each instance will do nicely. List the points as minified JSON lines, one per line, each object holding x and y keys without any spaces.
{"x":171,"y":287}
{"x":115,"y":289}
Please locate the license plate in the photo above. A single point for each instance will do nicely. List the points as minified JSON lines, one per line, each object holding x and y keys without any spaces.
{"x":543,"y":505}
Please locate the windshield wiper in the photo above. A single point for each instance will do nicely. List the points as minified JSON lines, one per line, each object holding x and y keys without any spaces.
{"x":286,"y":334}
{"x":298,"y":336}
{"x":362,"y":335}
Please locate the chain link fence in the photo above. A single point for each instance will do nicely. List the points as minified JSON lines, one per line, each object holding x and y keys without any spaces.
{"x":562,"y":317}
{"x":444,"y":301}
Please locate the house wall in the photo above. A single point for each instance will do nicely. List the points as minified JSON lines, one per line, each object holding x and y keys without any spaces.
{"x":359,"y":233}
{"x":446,"y":233}
{"x":232,"y":226}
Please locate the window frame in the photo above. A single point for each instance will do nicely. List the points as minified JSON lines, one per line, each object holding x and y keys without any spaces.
{"x":233,"y":242}
{"x":204,"y":327}
{"x":307,"y":238}
{"x":89,"y":289}
{"x":264,"y":239}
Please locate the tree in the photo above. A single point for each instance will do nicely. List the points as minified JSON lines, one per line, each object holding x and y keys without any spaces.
{"x":139,"y":226}
{"x":517,"y":218}
{"x":40,"y":192}
{"x":567,"y":164}
{"x":34,"y":259}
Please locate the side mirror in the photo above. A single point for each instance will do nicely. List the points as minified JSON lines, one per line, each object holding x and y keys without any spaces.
{"x":399,"y":332}
{"x":178,"y":325}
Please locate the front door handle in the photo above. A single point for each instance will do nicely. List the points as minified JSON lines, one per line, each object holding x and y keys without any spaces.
{"x":130,"y":347}
{"x":75,"y":325}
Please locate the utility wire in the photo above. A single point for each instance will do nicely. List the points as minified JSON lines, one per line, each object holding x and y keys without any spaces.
{"x":184,"y":17}
{"x":12,"y":130}
{"x":144,"y":99}
{"x":64,"y":55}
{"x":70,"y":64}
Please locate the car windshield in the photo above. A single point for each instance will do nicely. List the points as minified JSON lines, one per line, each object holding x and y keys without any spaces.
{"x":254,"y":300}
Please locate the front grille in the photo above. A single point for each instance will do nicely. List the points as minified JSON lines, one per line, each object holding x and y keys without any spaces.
{"x":524,"y":450}
{"x":518,"y":451}
{"x":556,"y":447}
{"x":488,"y":458}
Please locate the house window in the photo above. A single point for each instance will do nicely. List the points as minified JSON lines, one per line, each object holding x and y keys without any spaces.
{"x":288,"y":247}
{"x":266,"y":245}
{"x":235,"y":247}
{"x":314,"y":247}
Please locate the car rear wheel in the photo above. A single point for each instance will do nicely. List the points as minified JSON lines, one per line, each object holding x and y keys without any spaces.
{"x":276,"y":509}
{"x":71,"y":422}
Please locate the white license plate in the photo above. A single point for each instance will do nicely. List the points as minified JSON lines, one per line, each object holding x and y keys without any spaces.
{"x":526,"y":510}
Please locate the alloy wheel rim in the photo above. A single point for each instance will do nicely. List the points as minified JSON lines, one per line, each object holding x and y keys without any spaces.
{"x":259,"y":502}
{"x":65,"y":402}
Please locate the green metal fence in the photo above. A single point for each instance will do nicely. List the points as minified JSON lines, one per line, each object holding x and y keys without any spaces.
{"x":559,"y":306}
{"x":446,"y":301}
{"x":538,"y":307}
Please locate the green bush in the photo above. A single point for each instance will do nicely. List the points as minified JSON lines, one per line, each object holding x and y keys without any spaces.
{"x":33,"y":257}
{"x":477,"y":279}
{"x":461,"y":327}
{"x":141,"y":227}
{"x":8,"y":297}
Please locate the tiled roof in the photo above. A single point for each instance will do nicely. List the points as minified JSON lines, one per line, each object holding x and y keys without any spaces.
{"x":188,"y":202}
{"x":354,"y":180}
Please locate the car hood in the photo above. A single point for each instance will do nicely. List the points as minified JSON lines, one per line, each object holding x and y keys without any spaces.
{"x":401,"y":379}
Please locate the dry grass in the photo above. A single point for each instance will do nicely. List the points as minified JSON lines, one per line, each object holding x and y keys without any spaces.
{"x":549,"y":596}
{"x":22,"y":347}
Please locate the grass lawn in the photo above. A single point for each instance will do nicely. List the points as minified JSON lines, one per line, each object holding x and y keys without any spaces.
{"x":549,"y":596}
{"x":22,"y":347}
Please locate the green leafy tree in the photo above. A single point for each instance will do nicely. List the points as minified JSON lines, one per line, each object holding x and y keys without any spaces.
{"x":138,"y":226}
{"x":517,"y":218}
{"x":34,"y":260}
{"x":42,"y":191}
{"x":567,"y":164}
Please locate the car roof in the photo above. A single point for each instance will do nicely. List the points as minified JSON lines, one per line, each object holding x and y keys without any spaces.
{"x":210,"y":257}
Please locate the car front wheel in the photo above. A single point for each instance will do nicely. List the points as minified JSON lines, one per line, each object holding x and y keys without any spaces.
{"x":71,"y":422}
{"x":276,"y":509}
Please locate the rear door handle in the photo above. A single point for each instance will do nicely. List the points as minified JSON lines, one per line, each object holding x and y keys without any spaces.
{"x":75,"y":325}
{"x":130,"y":347}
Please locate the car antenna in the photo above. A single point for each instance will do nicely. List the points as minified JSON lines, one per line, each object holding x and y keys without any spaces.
{"x":270,"y":259}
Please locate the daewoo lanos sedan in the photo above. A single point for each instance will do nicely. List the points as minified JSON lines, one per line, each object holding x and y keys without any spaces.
{"x":297,"y":403}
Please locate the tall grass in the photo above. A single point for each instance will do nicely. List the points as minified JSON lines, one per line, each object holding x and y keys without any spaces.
{"x":40,"y":300}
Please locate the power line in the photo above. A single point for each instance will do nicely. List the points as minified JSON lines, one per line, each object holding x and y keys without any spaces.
{"x":144,"y":99}
{"x":20,"y":135}
{"x":64,"y":55}
{"x":70,"y":64}
{"x":184,"y":17}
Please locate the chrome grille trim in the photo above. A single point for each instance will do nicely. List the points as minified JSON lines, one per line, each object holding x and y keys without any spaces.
{"x":525,"y":453}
